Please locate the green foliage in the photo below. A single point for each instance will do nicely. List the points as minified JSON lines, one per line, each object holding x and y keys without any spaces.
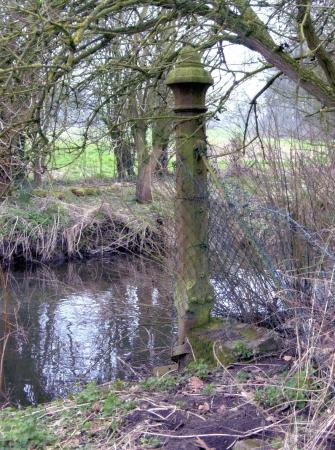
{"x":295,"y":389}
{"x":157,"y":208}
{"x":269,"y":396}
{"x":242,"y":351}
{"x":167,"y":383}
{"x":89,"y":394}
{"x":298,"y":387}
{"x":86,"y":426}
{"x":242,"y":375}
{"x":114,"y":404}
{"x":24,"y":196}
{"x":118,"y":385}
{"x":198,"y":368}
{"x":26,"y":219}
{"x":180,"y":403}
{"x":276,"y":443}
{"x":150,"y":442}
{"x":21,"y":431}
{"x":208,"y":389}
{"x":47,"y":215}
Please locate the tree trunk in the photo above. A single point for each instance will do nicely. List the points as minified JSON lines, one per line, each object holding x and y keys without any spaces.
{"x":144,"y":183}
{"x":124,"y":158}
{"x":37,"y":173}
{"x":12,"y":160}
{"x":144,"y":177}
{"x":160,"y":142}
{"x":5,"y":172}
{"x":124,"y":161}
{"x":18,"y":163}
{"x":149,"y":163}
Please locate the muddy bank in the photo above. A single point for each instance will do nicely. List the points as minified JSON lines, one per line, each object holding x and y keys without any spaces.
{"x":196,"y":409}
{"x":50,"y":226}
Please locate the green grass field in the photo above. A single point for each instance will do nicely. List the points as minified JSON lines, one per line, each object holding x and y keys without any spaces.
{"x":94,"y":161}
{"x":98,"y":161}
{"x":88,"y":163}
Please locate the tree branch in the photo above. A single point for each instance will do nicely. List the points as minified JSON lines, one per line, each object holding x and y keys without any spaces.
{"x":314,"y":44}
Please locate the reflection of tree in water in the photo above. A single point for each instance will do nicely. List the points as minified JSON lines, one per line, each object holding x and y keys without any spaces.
{"x":4,"y":330}
{"x":83,"y":321}
{"x":20,"y":372}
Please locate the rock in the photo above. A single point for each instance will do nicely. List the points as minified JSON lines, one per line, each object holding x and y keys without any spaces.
{"x":251,"y":444}
{"x":163,"y":370}
{"x":179,"y":351}
{"x":229,"y":341}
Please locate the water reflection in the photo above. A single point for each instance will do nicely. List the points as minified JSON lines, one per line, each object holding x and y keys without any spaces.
{"x":99,"y":320}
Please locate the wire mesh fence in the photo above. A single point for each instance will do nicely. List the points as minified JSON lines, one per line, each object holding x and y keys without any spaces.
{"x":263,"y":263}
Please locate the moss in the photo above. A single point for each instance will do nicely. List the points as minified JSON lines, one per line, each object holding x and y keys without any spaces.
{"x":59,"y":194}
{"x":215,"y":324}
{"x":269,"y":345}
{"x":163,"y":370}
{"x":40,"y":193}
{"x":249,"y":333}
{"x":225,"y":355}
{"x":44,"y":193}
{"x":83,"y":192}
{"x":202,"y":345}
{"x":202,"y":348}
{"x":202,"y":312}
{"x":233,"y":341}
{"x":189,"y":69}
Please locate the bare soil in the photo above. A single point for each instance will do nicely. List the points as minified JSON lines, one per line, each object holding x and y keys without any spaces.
{"x":188,"y":419}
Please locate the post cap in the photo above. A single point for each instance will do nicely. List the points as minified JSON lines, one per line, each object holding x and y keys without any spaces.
{"x":189,"y":69}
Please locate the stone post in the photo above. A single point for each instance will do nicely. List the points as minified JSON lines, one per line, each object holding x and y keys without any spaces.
{"x":189,"y":82}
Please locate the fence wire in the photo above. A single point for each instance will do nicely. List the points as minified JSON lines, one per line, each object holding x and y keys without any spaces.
{"x":252,"y":260}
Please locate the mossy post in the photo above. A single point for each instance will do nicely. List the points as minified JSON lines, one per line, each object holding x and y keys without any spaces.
{"x":189,"y":82}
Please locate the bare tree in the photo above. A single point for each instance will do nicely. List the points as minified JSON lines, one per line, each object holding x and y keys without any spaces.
{"x":49,"y":43}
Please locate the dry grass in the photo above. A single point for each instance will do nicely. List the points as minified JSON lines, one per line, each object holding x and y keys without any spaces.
{"x":79,"y":223}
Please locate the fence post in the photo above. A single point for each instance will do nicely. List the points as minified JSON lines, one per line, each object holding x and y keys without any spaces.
{"x":193,"y":295}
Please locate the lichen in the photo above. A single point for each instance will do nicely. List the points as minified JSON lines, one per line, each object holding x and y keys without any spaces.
{"x":189,"y":69}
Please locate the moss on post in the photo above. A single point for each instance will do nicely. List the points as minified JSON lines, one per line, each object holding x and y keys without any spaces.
{"x":189,"y":82}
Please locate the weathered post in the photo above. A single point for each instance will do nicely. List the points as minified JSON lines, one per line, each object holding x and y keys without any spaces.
{"x":189,"y":82}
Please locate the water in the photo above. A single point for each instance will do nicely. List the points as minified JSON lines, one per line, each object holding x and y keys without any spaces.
{"x":96,"y":320}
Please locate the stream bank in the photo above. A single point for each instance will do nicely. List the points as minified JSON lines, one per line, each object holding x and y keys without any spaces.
{"x":68,"y":222}
{"x":200,"y":408}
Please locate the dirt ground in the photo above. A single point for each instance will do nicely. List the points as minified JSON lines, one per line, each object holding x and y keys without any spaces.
{"x":193,"y":410}
{"x":210,"y":414}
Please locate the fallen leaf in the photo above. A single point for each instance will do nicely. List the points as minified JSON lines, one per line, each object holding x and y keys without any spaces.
{"x":222,"y":409}
{"x":270,"y":419}
{"x":202,"y":444}
{"x":96,"y":407}
{"x":204,"y":408}
{"x":195,"y":384}
{"x":134,"y":388}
